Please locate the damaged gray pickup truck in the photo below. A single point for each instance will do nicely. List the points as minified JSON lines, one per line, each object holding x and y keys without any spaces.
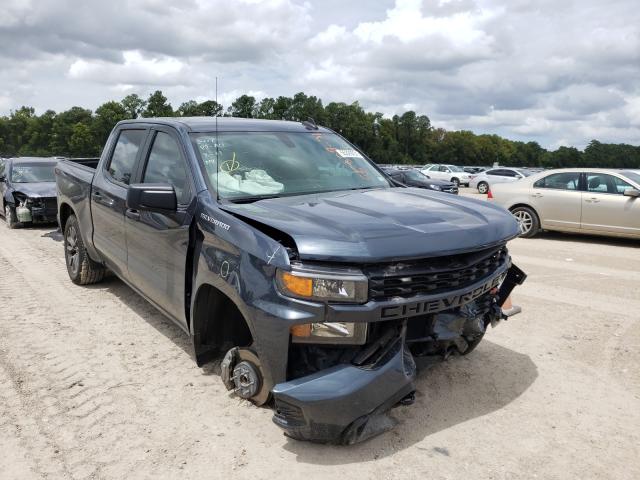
{"x":282,"y":250}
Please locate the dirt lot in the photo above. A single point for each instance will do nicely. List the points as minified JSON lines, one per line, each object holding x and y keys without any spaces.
{"x":94,"y":383}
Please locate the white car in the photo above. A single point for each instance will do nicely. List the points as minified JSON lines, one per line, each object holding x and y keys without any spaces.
{"x":485,"y":180}
{"x":579,"y":200}
{"x":450,"y":173}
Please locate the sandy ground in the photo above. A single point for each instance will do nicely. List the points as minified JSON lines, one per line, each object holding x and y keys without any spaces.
{"x":94,"y":383}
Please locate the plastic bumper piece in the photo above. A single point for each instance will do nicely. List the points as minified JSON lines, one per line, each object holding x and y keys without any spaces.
{"x":345,"y":404}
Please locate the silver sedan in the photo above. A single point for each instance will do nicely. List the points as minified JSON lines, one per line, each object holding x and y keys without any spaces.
{"x":577,"y":200}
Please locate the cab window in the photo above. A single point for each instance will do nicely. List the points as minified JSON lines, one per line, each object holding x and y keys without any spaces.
{"x":560,"y":181}
{"x":166,"y":165}
{"x":123,"y":159}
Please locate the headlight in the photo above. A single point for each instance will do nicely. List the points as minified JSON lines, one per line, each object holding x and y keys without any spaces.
{"x":434,"y":187}
{"x":323,"y":284}
{"x":335,"y":333}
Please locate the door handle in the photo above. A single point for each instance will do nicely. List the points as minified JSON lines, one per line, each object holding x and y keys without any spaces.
{"x":97,"y":196}
{"x":595,"y":200}
{"x":537,"y":195}
{"x":132,"y":214}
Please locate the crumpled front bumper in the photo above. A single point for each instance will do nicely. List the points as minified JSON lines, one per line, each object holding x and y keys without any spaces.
{"x":342,"y":404}
{"x":345,"y":404}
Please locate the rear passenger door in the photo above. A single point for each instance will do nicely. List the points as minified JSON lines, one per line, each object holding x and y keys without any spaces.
{"x":558,"y":200}
{"x":109,"y":194}
{"x":157,"y":243}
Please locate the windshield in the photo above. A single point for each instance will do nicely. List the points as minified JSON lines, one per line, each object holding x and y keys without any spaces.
{"x":633,"y":176}
{"x":415,"y":175}
{"x":255,"y":164}
{"x":524,"y":173}
{"x":33,"y":173}
{"x":453,"y":168}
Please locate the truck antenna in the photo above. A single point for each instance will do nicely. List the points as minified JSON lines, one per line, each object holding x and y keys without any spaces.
{"x":217,"y":147}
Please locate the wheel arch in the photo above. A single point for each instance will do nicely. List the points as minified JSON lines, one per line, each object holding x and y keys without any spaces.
{"x":64,"y":212}
{"x":217,"y":323}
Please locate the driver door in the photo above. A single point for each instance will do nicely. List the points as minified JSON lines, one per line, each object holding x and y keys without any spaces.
{"x":157,"y":243}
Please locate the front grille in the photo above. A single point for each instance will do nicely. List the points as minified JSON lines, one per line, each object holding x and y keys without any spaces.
{"x":433,"y":276}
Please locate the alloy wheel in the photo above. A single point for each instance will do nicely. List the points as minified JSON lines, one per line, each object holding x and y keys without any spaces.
{"x":525,"y":221}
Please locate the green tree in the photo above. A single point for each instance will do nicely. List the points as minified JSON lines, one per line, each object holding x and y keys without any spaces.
{"x":191,"y":108}
{"x":157,"y":106}
{"x":106,"y":117}
{"x":81,"y":142}
{"x":244,"y":106}
{"x":133,"y":105}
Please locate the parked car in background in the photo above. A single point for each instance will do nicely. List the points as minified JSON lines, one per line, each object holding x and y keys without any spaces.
{"x":28,"y":190}
{"x":450,"y":173}
{"x":414,"y":178}
{"x":578,"y":200}
{"x":474,"y":170}
{"x":484,"y":180}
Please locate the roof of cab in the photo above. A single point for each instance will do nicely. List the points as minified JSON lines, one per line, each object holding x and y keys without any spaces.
{"x":230,"y":124}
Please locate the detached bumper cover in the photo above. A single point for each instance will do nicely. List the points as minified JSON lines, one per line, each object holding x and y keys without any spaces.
{"x":344,"y":404}
{"x":340,"y":404}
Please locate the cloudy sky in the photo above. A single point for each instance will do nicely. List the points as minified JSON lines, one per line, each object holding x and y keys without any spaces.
{"x":557,"y":72}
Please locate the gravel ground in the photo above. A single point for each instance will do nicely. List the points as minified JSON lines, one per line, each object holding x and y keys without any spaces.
{"x":94,"y":383}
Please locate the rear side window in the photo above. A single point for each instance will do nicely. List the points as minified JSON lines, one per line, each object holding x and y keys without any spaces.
{"x":499,"y":173}
{"x":124,"y":156}
{"x":166,"y":165}
{"x":560,"y":181}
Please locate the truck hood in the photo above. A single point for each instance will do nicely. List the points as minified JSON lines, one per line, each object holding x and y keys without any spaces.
{"x":382,"y":225}
{"x":36,"y":189}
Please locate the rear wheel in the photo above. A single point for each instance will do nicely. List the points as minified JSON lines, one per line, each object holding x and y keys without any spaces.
{"x":10,"y":217}
{"x":527,"y":221}
{"x":483,"y":187}
{"x":456,"y":181}
{"x":82,"y":270}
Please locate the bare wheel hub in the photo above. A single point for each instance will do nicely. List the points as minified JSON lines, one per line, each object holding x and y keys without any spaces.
{"x":241,"y":371}
{"x":246,"y":380}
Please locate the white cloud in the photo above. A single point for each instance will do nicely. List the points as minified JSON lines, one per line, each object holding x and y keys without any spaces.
{"x":533,"y":70}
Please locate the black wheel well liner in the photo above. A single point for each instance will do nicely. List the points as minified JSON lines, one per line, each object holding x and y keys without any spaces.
{"x":65,"y":212}
{"x":218,"y":324}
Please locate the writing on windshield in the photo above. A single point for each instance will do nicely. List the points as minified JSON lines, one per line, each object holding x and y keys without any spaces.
{"x":247,"y":164}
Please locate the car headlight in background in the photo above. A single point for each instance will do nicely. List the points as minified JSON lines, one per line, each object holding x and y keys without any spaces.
{"x":434,"y":187}
{"x":323,"y":284}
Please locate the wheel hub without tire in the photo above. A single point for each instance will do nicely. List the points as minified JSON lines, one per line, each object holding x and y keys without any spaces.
{"x":242,"y":373}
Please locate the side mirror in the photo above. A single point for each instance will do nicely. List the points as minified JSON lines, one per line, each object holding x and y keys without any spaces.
{"x":632,"y":192}
{"x":153,"y":197}
{"x":2,"y":178}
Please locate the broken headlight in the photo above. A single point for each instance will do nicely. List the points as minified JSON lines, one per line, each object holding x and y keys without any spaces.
{"x":323,"y":284}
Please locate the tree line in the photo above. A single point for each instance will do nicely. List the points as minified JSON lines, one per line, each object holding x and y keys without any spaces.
{"x":409,"y":138}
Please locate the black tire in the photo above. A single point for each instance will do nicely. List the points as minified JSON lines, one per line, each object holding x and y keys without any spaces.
{"x":10,"y":217}
{"x":527,"y":220}
{"x":456,"y":181}
{"x":82,"y":270}
{"x":483,"y":187}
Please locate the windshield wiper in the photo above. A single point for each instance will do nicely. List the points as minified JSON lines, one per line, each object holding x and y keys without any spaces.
{"x":253,"y":198}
